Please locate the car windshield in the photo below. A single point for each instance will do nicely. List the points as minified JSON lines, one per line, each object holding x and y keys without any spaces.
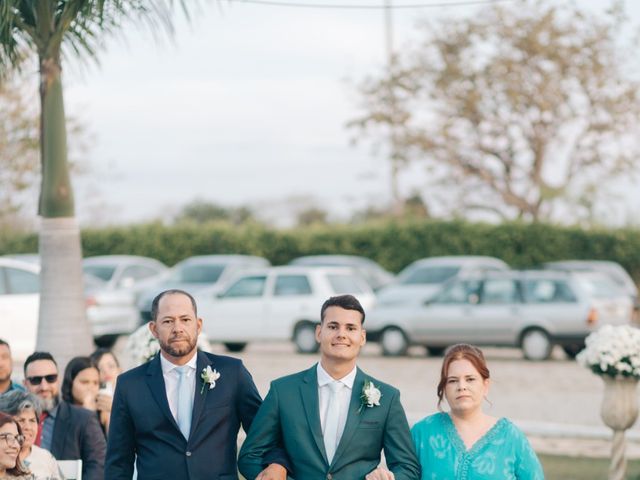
{"x":345,"y":284}
{"x":198,"y":273}
{"x":429,"y":275}
{"x":103,"y":272}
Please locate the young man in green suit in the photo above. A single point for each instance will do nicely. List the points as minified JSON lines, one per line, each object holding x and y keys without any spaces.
{"x":333,"y":420}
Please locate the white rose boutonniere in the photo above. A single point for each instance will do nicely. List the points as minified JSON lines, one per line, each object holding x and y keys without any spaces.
{"x":209,"y":377}
{"x":370,"y":396}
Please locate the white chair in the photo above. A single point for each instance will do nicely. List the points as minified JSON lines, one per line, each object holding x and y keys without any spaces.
{"x":71,"y":469}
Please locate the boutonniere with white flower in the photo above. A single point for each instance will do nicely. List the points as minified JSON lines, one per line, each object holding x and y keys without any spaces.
{"x":370,"y":396}
{"x":209,"y":377}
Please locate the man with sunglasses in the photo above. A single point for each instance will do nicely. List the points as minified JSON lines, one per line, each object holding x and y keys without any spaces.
{"x":67,"y":431}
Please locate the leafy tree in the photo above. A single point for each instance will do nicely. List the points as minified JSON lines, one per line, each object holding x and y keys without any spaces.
{"x":19,"y":150}
{"x":524,"y":110}
{"x":20,"y":153}
{"x":312,"y":216}
{"x":48,"y":28}
{"x":200,"y":211}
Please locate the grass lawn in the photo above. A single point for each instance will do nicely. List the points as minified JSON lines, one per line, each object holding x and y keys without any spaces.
{"x":581,"y":468}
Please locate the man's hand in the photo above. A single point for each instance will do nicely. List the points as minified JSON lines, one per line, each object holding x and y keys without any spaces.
{"x":380,"y":474}
{"x":273,"y":472}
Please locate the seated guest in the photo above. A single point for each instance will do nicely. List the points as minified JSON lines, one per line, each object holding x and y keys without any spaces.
{"x":81,"y":387}
{"x":69,"y":432}
{"x":6,"y":368}
{"x":25,"y":409}
{"x":10,"y":441}
{"x":108,"y":366}
{"x":466,"y":442}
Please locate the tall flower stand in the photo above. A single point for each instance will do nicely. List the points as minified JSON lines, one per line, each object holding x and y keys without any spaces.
{"x":619,"y":412}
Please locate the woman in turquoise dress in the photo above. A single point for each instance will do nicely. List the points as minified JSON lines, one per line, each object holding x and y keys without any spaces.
{"x":466,"y":443}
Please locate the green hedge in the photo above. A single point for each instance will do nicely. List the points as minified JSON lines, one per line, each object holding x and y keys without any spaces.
{"x":392,"y":244}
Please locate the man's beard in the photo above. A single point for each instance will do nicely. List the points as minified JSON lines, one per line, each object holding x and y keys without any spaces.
{"x":178,"y":352}
{"x":49,"y":404}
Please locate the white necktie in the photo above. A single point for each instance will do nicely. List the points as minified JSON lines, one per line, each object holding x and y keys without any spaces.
{"x":184,"y":402}
{"x":331,"y":422}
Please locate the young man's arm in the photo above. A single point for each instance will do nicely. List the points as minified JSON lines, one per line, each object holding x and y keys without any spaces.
{"x":263,"y":439}
{"x":398,"y":447}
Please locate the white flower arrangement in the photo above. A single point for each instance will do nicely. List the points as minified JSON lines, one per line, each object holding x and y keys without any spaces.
{"x":142,"y":346}
{"x":613,"y":351}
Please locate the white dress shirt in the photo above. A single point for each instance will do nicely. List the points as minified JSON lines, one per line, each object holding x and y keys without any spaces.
{"x":171,"y":379}
{"x":324,"y":392}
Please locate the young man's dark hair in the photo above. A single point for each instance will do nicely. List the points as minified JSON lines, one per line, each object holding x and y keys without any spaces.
{"x":38,"y":356}
{"x":348,"y":302}
{"x":173,"y":291}
{"x":3,"y":342}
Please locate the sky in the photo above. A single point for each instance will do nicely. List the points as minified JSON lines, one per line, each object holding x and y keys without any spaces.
{"x":246,"y":105}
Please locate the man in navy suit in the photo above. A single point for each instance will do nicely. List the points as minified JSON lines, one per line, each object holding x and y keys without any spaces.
{"x":178,"y":416}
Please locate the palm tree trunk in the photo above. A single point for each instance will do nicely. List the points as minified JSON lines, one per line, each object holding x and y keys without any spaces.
{"x":62,"y":328}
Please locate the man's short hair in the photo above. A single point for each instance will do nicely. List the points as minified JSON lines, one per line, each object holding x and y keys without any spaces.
{"x":35,"y":356}
{"x":348,"y":302}
{"x":173,"y":291}
{"x":4,"y":342}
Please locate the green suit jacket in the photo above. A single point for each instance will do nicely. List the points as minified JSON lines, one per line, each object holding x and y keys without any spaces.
{"x":290,"y":417}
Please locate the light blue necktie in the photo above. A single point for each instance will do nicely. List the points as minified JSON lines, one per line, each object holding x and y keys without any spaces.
{"x":184,"y":402}
{"x":332,"y":420}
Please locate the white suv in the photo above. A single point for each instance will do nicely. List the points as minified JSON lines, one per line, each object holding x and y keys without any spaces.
{"x":277,"y":303}
{"x":19,"y":302}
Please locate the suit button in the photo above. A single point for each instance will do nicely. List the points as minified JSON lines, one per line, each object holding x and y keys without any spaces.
{"x":188,"y":454}
{"x":329,"y":476}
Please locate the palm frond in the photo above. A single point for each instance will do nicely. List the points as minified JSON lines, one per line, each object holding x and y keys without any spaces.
{"x":77,"y":26}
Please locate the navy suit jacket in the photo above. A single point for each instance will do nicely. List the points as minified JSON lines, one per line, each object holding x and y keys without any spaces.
{"x":77,"y":435}
{"x":142,"y":424}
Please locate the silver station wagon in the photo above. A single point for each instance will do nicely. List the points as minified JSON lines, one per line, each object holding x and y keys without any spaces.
{"x":533,"y":310}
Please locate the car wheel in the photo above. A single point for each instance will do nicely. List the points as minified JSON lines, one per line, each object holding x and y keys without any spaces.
{"x":394,"y":342}
{"x":436,"y":351}
{"x":106,"y":341}
{"x":235,"y":346}
{"x":572,"y":350}
{"x":536,"y":344}
{"x":304,"y":338}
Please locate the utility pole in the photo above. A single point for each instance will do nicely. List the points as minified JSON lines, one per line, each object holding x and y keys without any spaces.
{"x":395,"y":159}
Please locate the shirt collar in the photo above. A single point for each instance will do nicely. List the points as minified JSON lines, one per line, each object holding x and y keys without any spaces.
{"x":324,"y":378}
{"x":167,"y":366}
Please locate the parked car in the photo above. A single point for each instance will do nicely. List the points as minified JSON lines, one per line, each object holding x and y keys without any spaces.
{"x":111,"y":305}
{"x":122,"y":271}
{"x":19,"y":303}
{"x":376,"y":276}
{"x":533,"y":310}
{"x":422,"y":278}
{"x":277,"y":303}
{"x":195,"y":273}
{"x":613,"y":270}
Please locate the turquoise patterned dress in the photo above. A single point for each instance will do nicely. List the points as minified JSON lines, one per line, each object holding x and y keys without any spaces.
{"x":503,"y":453}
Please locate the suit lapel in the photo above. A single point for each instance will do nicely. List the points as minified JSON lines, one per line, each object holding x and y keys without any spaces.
{"x":353,"y":417}
{"x":155,"y":380}
{"x":199,"y":398}
{"x":60,"y":428}
{"x":309,"y":393}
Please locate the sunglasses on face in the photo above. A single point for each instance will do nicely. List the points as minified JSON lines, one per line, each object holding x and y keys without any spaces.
{"x":11,"y":439}
{"x":37,"y":380}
